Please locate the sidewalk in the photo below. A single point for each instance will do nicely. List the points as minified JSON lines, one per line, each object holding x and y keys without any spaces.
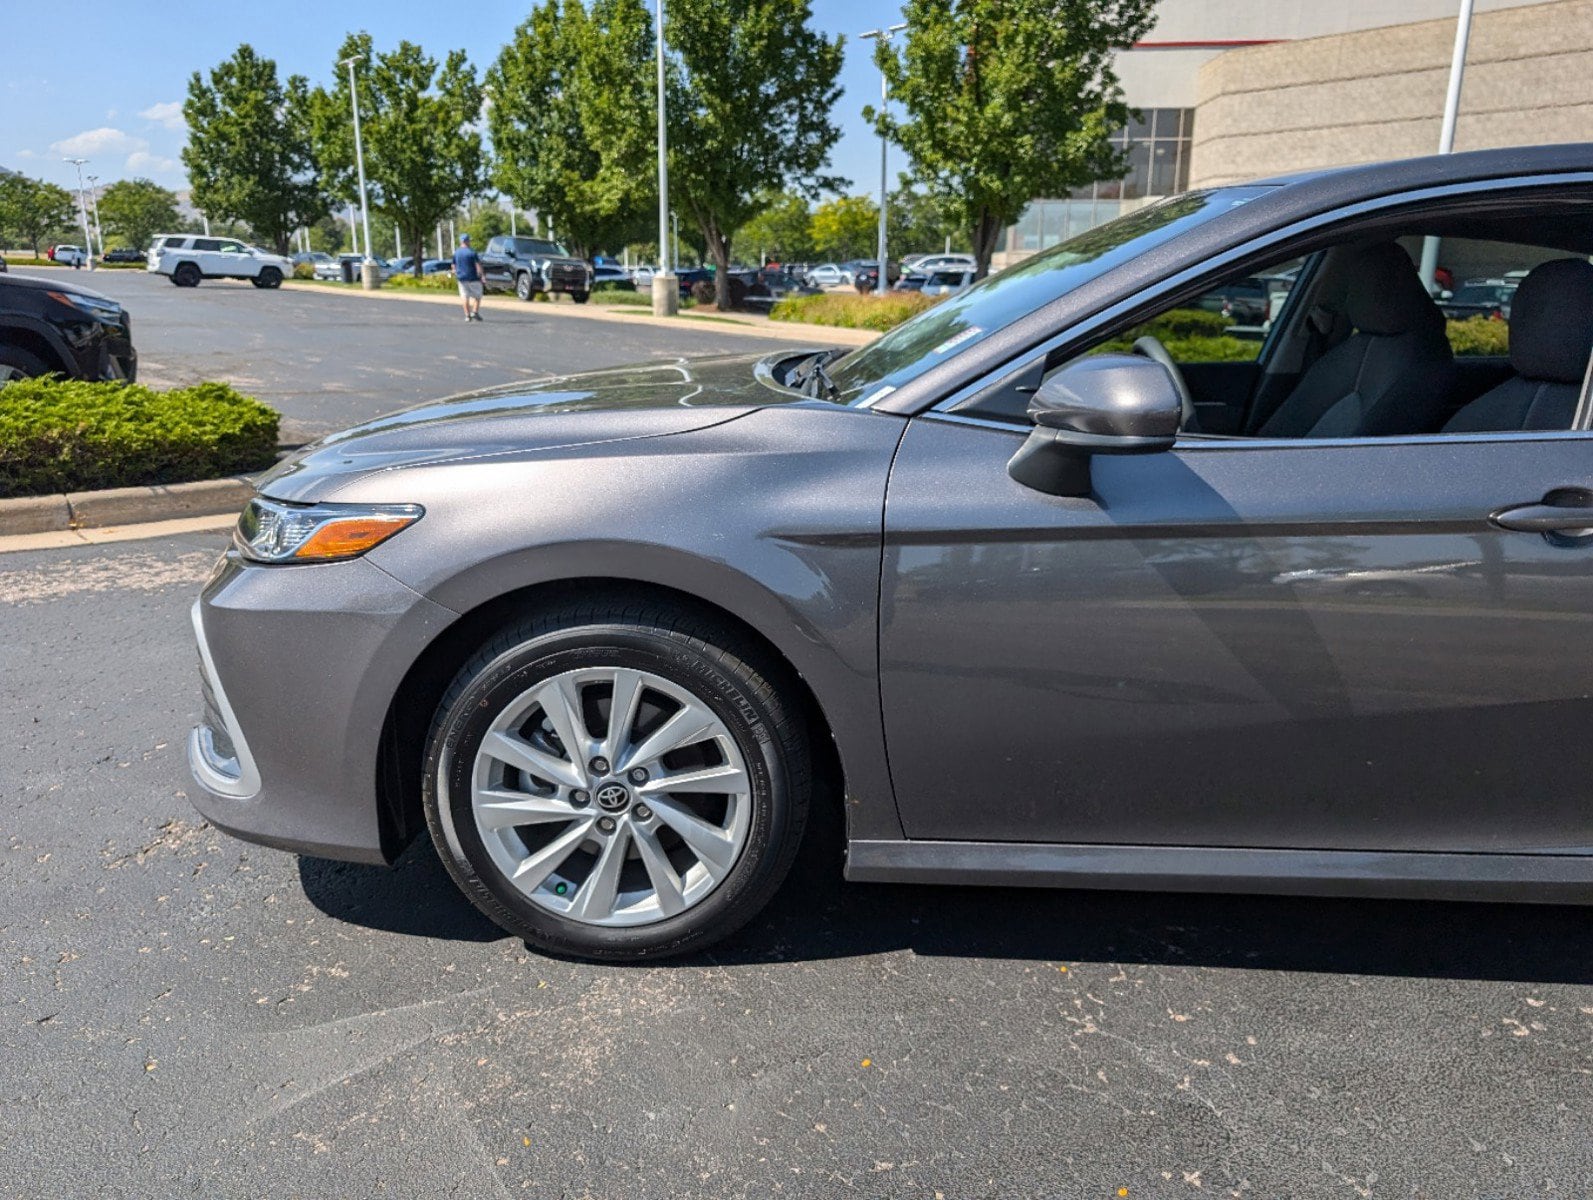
{"x":731,"y":323}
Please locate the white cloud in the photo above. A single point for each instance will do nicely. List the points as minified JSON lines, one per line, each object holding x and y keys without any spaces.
{"x":169,"y":114}
{"x":102,"y":141}
{"x":26,"y":154}
{"x":142,"y":160}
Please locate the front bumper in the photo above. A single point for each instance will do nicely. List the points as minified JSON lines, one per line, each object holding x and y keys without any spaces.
{"x":300,"y":665}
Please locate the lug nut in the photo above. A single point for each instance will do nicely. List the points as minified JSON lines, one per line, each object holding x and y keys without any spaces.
{"x":600,"y":766}
{"x":643,"y":813}
{"x":638,"y":775}
{"x":606,"y":824}
{"x":579,"y":798}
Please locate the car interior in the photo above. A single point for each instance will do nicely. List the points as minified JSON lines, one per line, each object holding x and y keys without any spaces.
{"x":1350,"y":342}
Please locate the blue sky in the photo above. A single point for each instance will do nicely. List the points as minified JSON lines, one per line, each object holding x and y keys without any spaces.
{"x":119,"y":104}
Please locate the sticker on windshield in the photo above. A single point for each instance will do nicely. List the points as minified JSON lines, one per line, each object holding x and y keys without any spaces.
{"x":953,"y":342}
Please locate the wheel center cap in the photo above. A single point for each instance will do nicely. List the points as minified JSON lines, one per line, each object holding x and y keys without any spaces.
{"x":613,"y":797}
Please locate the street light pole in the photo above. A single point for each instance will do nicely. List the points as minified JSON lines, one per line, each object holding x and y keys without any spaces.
{"x":82,"y":208}
{"x":1446,"y":134}
{"x":666,"y":288}
{"x":368,"y":267}
{"x":884,"y":37}
{"x":94,"y":202}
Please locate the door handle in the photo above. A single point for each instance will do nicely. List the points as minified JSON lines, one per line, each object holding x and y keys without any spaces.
{"x":1564,"y":510}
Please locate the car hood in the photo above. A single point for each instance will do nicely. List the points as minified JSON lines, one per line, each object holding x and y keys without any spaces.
{"x":34,"y":283}
{"x":618,"y":404}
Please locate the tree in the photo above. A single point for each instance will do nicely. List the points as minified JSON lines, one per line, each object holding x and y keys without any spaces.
{"x":1006,"y":100}
{"x":423,"y":154}
{"x":781,"y":231}
{"x":753,"y":89}
{"x":326,"y":235}
{"x":919,"y":221}
{"x":135,"y":210}
{"x":249,"y":155}
{"x":485,"y":222}
{"x":33,"y":211}
{"x":571,"y":120}
{"x":846,"y":227}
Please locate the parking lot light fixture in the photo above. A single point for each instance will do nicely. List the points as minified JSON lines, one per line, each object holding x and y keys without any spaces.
{"x":1446,"y":133}
{"x":82,"y":208}
{"x":368,"y":274}
{"x":94,"y":203}
{"x":884,"y":37}
{"x":666,"y":288}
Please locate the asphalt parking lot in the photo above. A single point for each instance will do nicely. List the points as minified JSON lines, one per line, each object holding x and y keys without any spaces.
{"x":183,"y":1014}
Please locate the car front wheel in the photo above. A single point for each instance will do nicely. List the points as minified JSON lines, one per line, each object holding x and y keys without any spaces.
{"x":16,"y":363}
{"x":580,"y":297}
{"x":619,"y":781}
{"x":186,"y":275}
{"x":268,"y":278}
{"x":523,"y":286}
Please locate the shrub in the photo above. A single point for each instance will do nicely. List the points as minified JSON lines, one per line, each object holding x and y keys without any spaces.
{"x":615,"y":296}
{"x":703,"y":291}
{"x":853,"y":312}
{"x":1478,"y":337}
{"x":441,"y":281}
{"x":304,"y":270}
{"x":66,"y":435}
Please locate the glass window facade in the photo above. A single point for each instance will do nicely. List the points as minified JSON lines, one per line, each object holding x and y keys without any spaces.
{"x":1157,"y":148}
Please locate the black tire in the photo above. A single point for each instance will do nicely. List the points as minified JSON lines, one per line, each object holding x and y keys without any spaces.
{"x":719,"y":669}
{"x":17,"y":363}
{"x":580,"y":297}
{"x":270,"y":277}
{"x":523,"y":287}
{"x":187,"y":275}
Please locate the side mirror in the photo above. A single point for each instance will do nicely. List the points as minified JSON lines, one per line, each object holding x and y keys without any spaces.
{"x":1104,"y":404}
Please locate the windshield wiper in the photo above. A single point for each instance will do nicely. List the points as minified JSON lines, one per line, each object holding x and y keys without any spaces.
{"x":815,"y":377}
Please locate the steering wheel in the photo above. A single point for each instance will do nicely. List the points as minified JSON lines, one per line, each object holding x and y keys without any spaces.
{"x":1152,"y":348}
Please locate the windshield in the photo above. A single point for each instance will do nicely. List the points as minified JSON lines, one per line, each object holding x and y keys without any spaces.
{"x":539,"y":246}
{"x":971,"y":316}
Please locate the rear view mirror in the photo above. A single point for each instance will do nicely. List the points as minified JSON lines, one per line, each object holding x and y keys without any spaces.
{"x":1104,"y":404}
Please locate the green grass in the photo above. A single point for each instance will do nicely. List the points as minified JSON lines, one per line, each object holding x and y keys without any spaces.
{"x":846,"y":311}
{"x":65,"y":435}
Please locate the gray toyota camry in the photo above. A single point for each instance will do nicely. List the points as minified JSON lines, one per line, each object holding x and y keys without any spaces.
{"x":1087,"y":576}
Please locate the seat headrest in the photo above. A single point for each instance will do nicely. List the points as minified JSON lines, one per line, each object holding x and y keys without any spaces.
{"x":1551,"y":321}
{"x":1384,"y":294}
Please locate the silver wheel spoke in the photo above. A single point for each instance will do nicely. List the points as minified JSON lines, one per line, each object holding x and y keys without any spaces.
{"x":687,"y":727}
{"x":517,"y":752}
{"x":712,"y":845}
{"x":561,"y":704}
{"x":498,"y":809}
{"x":722,"y":778}
{"x":659,"y":872}
{"x":531,"y":872}
{"x":622,"y":715}
{"x":596,"y":898}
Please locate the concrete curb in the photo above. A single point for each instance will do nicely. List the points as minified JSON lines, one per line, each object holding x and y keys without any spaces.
{"x":123,"y":506}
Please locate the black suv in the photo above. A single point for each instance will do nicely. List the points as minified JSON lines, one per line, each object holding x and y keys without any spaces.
{"x":51,"y":327}
{"x":528,"y":265}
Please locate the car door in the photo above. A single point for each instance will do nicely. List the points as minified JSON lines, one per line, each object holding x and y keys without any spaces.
{"x":232,"y":258}
{"x":1246,"y":643}
{"x":494,"y":263}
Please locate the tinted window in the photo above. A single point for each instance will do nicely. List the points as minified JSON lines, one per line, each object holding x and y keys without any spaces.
{"x":532,"y":247}
{"x":971,"y":316}
{"x":206,"y":244}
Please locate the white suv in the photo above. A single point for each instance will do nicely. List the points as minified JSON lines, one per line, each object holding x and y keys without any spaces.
{"x":187,"y":258}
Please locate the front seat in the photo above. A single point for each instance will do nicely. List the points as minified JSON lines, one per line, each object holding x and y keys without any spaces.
{"x":1551,"y":335}
{"x":1391,"y":376}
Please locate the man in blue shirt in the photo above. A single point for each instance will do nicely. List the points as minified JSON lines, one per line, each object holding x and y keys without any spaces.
{"x":467,"y":271}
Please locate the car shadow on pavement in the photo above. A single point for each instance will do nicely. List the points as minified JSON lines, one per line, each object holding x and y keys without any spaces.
{"x":817,"y":915}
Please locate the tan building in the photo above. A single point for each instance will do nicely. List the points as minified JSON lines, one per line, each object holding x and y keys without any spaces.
{"x":1235,"y":89}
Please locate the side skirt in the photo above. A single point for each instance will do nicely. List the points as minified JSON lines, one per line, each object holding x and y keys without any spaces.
{"x":1536,"y":878}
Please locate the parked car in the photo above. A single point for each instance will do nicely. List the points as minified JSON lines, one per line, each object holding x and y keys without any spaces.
{"x":50,"y":327}
{"x":928,"y":263}
{"x":69,"y":256}
{"x":1020,"y":602}
{"x":642,"y":276}
{"x":690,"y":276}
{"x":123,"y":254}
{"x":614,"y":277}
{"x":829,"y":275}
{"x":1480,"y":298}
{"x":187,"y":258}
{"x":1245,"y":302}
{"x":530,"y":266}
{"x":949,"y":282}
{"x":865,"y":274}
{"x":767,"y":287}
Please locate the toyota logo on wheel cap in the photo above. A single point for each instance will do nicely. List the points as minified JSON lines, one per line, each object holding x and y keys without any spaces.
{"x":611,"y":797}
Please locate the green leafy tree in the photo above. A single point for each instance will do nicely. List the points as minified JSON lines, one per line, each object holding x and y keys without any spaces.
{"x":34,"y":211}
{"x":750,"y":112}
{"x":327,"y":236}
{"x":1006,"y":100}
{"x":485,"y":222}
{"x":135,"y":210}
{"x":572,"y":122}
{"x":781,"y":231}
{"x":917,"y":221}
{"x":249,"y":155}
{"x":423,"y":154}
{"x":846,"y":227}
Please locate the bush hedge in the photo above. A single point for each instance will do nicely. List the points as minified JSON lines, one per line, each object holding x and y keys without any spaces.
{"x":846,"y":311}
{"x":439,"y":281}
{"x":65,"y":435}
{"x":1478,"y":336}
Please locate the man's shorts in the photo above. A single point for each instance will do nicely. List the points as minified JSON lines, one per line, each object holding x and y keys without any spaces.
{"x":470,"y":289}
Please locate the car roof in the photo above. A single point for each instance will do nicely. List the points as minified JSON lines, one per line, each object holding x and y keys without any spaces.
{"x":1436,"y":170}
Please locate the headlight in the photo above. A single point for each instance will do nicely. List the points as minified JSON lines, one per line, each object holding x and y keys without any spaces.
{"x":106,"y":312}
{"x":270,"y":531}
